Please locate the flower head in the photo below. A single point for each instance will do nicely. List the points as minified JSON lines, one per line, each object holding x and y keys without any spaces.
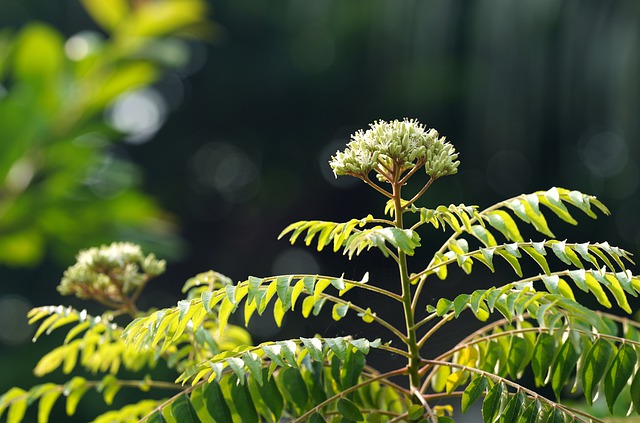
{"x":109,"y":272}
{"x":396,"y":144}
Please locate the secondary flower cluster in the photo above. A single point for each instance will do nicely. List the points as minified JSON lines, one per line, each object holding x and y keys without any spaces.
{"x":397,"y":145}
{"x":110,"y":272}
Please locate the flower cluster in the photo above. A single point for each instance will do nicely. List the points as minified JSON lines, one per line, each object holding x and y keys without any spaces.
{"x":397,"y":145}
{"x":110,"y":273}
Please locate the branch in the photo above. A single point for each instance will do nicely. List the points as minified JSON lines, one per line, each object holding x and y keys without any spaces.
{"x":380,"y":320}
{"x":419,"y":194}
{"x":445,"y":319}
{"x":417,"y":394}
{"x":366,"y":180}
{"x":413,"y":170}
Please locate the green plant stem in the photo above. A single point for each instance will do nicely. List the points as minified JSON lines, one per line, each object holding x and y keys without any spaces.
{"x":413,"y":170}
{"x":430,"y":414}
{"x":380,"y":320}
{"x":375,"y":186}
{"x":394,"y":350}
{"x":419,"y":194}
{"x":435,"y":328}
{"x":412,"y":345}
{"x":425,"y":320}
{"x":358,"y":284}
{"x":134,"y":297}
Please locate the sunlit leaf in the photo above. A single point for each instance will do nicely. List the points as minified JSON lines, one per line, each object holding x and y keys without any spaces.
{"x":543,"y":353}
{"x":619,"y":373}
{"x":492,"y":402}
{"x":564,"y":364}
{"x":473,"y":391}
{"x":594,"y":367}
{"x":514,"y":408}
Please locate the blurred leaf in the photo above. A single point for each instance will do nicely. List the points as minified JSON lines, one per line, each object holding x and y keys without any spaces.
{"x":155,"y":18}
{"x":117,"y":81}
{"x":108,"y":13}
{"x":39,"y":54}
{"x":21,"y":248}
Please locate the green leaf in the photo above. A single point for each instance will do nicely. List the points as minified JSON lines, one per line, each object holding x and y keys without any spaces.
{"x":519,"y":355}
{"x":596,"y":289}
{"x":339,"y":311}
{"x":242,"y":400}
{"x":316,"y":418}
{"x":484,"y":236}
{"x":443,"y":306}
{"x":611,"y":282}
{"x":473,"y":391}
{"x":512,"y":260}
{"x":460,"y":303}
{"x":503,"y":222}
{"x":543,"y":353}
{"x":635,"y":392}
{"x":215,"y":403}
{"x":539,"y":258}
{"x":532,"y":413}
{"x":237,"y":365}
{"x":39,"y":54}
{"x":594,"y":367}
{"x":349,"y":410}
{"x":182,"y":410}
{"x":157,"y":417}
{"x":338,"y":346}
{"x":45,"y":404}
{"x":556,"y":416}
{"x":415,"y":411}
{"x":439,"y":380}
{"x":76,"y":388}
{"x":619,"y":373}
{"x":492,"y":402}
{"x":514,"y":408}
{"x":551,"y":199}
{"x":558,"y":286}
{"x":282,"y":289}
{"x":268,"y":393}
{"x":535,"y":216}
{"x":314,"y":346}
{"x":293,"y":387}
{"x":563,"y":366}
{"x":17,"y":410}
{"x":352,"y":368}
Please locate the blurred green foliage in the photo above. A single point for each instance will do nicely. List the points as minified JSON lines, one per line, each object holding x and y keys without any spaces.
{"x":62,"y":184}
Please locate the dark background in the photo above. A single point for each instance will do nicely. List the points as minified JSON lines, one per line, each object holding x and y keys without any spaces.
{"x":532,"y":94}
